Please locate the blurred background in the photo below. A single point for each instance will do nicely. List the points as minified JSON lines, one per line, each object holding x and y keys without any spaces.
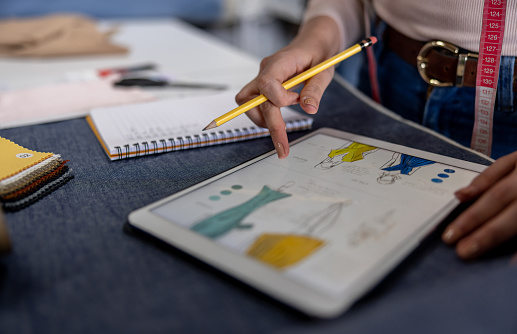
{"x":259,"y":27}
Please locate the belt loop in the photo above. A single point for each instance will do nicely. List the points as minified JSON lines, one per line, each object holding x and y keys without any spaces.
{"x":505,"y":90}
{"x":460,"y":70}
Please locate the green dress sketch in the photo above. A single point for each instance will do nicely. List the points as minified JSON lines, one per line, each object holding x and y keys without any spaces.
{"x":223,"y":222}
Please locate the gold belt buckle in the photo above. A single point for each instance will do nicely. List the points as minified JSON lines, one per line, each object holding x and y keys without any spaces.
{"x":421,"y":61}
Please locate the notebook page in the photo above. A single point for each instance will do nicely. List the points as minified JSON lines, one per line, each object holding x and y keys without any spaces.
{"x":170,"y":118}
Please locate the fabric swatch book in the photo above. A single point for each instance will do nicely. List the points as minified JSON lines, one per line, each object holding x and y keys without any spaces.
{"x":27,"y":176}
{"x":176,"y":124}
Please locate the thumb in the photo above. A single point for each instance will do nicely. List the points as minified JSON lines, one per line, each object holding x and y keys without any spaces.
{"x":311,"y":94}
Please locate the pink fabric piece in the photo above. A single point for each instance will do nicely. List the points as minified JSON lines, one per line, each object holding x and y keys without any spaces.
{"x":63,"y":101}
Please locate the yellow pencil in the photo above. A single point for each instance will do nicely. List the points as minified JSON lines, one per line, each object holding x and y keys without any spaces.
{"x":293,"y":81}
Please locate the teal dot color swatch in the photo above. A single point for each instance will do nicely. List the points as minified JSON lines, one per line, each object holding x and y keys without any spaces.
{"x":225,"y":192}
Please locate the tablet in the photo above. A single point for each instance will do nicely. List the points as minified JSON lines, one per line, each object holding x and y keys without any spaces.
{"x":318,"y":229}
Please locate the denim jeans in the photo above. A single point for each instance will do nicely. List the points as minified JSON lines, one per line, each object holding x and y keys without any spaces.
{"x":447,"y":110}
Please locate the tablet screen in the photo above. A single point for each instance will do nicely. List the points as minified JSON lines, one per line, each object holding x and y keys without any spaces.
{"x":328,"y":214}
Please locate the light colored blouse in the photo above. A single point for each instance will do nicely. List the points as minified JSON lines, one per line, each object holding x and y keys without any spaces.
{"x":455,"y":21}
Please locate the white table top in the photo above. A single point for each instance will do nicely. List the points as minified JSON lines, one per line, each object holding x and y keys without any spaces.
{"x":179,"y":49}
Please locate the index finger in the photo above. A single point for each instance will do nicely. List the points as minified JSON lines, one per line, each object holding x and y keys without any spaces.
{"x":276,"y":125}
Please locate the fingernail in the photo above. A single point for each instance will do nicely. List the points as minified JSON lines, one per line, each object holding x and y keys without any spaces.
{"x":466,"y":192}
{"x":459,"y":194}
{"x":280,"y":151}
{"x":449,"y":235}
{"x":462,"y":191}
{"x":310,"y":102}
{"x":462,"y":195}
{"x":470,"y":251}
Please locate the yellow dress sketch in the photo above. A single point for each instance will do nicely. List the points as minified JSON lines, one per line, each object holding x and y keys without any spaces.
{"x":283,"y":250}
{"x":350,"y":153}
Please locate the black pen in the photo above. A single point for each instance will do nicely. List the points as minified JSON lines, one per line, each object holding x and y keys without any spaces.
{"x":150,"y":82}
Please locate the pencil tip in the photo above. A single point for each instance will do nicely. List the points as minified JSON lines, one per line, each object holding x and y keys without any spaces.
{"x":212,"y":125}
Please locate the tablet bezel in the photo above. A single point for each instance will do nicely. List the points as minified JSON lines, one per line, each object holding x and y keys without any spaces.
{"x":269,"y":280}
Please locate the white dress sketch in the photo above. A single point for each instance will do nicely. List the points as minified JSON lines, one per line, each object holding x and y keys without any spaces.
{"x":374,"y":229}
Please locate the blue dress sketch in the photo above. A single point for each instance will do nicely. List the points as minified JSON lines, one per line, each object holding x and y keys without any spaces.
{"x":407,"y":165}
{"x":223,"y":222}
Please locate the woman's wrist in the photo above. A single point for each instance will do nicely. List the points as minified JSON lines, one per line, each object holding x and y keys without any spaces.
{"x":320,"y":34}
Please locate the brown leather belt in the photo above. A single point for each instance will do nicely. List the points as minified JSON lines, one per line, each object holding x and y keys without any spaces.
{"x":440,"y":65}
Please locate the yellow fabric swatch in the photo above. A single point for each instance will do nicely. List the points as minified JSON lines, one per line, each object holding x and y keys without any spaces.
{"x":16,"y":158}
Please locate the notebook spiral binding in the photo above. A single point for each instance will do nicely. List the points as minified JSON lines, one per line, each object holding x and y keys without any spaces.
{"x":200,"y":140}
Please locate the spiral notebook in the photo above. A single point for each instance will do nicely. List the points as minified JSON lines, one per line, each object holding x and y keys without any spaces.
{"x":176,"y":124}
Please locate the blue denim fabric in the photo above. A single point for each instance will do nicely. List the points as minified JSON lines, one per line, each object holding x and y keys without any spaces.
{"x":447,"y":110}
{"x":202,"y":11}
{"x":74,"y":270}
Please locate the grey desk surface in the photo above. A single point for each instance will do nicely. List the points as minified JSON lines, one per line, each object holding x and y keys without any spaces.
{"x":75,"y":270}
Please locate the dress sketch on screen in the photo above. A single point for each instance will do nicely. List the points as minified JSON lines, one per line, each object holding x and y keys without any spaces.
{"x":324,"y":219}
{"x":401,"y":164}
{"x":225,"y":221}
{"x":282,"y":250}
{"x":372,"y":230}
{"x":349,"y":152}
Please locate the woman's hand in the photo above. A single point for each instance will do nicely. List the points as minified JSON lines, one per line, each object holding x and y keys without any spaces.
{"x":317,"y":40}
{"x":492,"y":218}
